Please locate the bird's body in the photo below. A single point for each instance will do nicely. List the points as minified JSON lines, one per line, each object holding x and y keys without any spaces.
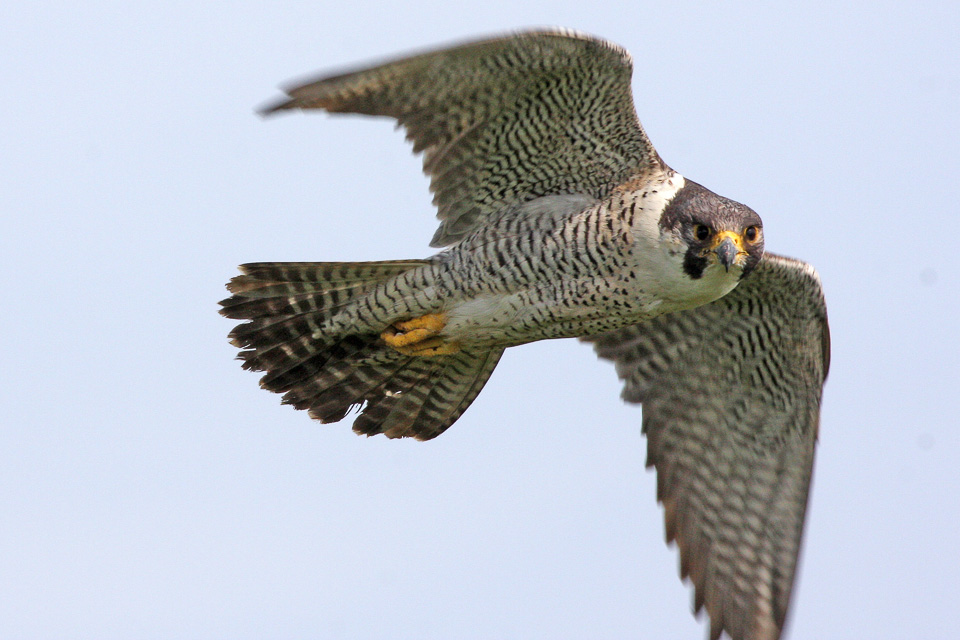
{"x":560,"y":220}
{"x":492,"y":286}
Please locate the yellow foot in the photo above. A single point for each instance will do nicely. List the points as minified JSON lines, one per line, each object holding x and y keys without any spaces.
{"x":418,"y":336}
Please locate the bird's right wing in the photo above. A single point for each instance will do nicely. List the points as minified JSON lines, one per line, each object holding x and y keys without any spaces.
{"x":503,"y":121}
{"x":731,"y":407}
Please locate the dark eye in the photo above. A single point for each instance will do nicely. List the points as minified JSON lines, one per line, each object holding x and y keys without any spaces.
{"x":751,"y":233}
{"x":701,"y":231}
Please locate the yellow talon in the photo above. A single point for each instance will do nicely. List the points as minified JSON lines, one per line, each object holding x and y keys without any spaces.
{"x":409,"y":332}
{"x":418,"y":336}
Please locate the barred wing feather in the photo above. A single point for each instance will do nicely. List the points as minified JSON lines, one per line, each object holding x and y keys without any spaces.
{"x":731,"y":402}
{"x":502,"y":121}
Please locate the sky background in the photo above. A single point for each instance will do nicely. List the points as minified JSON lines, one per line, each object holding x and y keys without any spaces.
{"x":149,"y":489}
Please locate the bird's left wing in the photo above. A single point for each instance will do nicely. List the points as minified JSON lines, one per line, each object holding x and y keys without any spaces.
{"x":731,"y":407}
{"x":504,"y":120}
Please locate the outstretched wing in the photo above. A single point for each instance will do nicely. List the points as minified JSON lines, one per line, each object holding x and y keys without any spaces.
{"x":731,"y":407}
{"x":503,"y":121}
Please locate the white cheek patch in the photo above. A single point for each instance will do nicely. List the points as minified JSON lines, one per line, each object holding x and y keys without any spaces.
{"x":659,"y":194}
{"x":650,"y":205}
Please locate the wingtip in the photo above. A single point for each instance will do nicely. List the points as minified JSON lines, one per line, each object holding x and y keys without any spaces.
{"x":278,"y":104}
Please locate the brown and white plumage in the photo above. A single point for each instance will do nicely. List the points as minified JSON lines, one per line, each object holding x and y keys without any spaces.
{"x":562,"y":221}
{"x":503,"y":121}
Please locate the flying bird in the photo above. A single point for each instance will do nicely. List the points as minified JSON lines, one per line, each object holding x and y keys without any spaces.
{"x":559,"y":219}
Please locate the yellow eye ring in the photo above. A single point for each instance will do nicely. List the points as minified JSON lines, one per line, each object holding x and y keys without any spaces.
{"x":752,"y":233}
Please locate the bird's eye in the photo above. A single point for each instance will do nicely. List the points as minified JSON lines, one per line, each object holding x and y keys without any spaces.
{"x":701,"y":231}
{"x":751,"y":233}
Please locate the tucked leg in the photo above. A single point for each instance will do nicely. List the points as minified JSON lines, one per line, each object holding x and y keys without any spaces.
{"x":418,"y":336}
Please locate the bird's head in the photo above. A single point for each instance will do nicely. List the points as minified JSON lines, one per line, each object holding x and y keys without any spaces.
{"x":714,"y":233}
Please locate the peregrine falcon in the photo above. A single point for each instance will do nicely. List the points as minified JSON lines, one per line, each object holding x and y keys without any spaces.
{"x":559,"y":219}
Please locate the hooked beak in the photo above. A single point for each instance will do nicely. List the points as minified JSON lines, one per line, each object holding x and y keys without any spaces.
{"x":728,"y":246}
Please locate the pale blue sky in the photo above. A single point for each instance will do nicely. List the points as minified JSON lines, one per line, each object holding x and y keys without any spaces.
{"x":149,"y":489}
